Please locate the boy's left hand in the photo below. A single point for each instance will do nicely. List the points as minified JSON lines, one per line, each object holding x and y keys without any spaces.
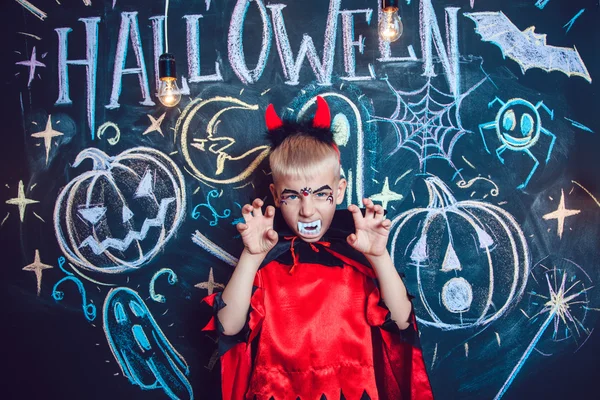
{"x":372,"y":230}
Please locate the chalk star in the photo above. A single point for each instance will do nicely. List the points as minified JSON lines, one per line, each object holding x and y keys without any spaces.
{"x":37,"y":266}
{"x":47,"y":134}
{"x":210,"y":284}
{"x":32,"y":63}
{"x":386,"y":195}
{"x":155,"y":124}
{"x":560,"y":214}
{"x":21,"y":201}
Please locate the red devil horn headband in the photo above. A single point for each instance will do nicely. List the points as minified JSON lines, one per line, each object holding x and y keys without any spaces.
{"x":322,"y":117}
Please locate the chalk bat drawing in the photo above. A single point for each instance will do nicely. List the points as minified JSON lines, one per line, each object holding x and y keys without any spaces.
{"x":141,"y":349}
{"x":201,"y":146}
{"x":37,"y":266}
{"x":527,"y":48}
{"x":427,"y":122}
{"x":470,"y":259}
{"x":172,"y":279}
{"x":212,"y":194}
{"x":118,"y":216}
{"x":518,"y":126}
{"x":560,"y":300}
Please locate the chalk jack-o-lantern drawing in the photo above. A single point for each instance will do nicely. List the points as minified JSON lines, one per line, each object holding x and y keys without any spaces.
{"x":118,"y":216}
{"x":469,"y":259}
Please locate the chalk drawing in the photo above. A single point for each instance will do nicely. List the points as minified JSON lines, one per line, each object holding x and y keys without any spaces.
{"x":37,"y":266}
{"x":155,"y":124}
{"x":47,"y":134}
{"x":214,"y":195}
{"x":172,"y":279}
{"x":32,"y":64}
{"x":210,"y":285}
{"x":560,"y":214}
{"x":21,"y":201}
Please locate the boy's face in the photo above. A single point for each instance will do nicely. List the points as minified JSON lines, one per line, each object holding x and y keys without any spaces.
{"x":308,"y":205}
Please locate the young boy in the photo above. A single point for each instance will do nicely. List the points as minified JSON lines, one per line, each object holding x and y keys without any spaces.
{"x":302,"y":315}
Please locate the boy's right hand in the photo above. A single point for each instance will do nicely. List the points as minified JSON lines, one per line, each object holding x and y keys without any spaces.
{"x":257,"y":231}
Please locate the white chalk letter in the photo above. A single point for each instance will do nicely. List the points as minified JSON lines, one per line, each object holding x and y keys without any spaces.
{"x":430,"y":34}
{"x":91,"y":65}
{"x":350,"y":43}
{"x":129,"y":29}
{"x":235,"y":45}
{"x":193,"y":52}
{"x":291,"y":67}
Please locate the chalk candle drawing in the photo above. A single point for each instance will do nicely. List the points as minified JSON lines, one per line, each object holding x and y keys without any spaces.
{"x":172,"y":279}
{"x":210,"y":284}
{"x":518,"y":126}
{"x":143,"y":352}
{"x":560,"y":214}
{"x":212,"y":194}
{"x":562,"y":295}
{"x":118,"y":216}
{"x":479,"y":241}
{"x":527,"y":48}
{"x":32,"y":64}
{"x":211,"y":143}
{"x":427,"y":122}
{"x":21,"y":201}
{"x":37,"y":266}
{"x":214,"y":249}
{"x":47,"y":134}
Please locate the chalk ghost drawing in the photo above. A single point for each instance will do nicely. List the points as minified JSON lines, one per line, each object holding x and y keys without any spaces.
{"x":470,"y":259}
{"x":118,"y":216}
{"x":142,"y":350}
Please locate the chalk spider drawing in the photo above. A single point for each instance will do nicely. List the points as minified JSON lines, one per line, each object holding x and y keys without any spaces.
{"x":518,"y":125}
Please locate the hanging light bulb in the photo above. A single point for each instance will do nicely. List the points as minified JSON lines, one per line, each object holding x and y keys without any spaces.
{"x":168,"y":91}
{"x":390,"y":25}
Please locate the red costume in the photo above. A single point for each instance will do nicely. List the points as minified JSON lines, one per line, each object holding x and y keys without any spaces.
{"x":318,"y":326}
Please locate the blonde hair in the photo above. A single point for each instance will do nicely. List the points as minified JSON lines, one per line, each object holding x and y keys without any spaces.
{"x":303,"y":156}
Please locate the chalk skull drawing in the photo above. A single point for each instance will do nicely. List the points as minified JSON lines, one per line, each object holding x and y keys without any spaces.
{"x":471,"y":259}
{"x":118,"y":216}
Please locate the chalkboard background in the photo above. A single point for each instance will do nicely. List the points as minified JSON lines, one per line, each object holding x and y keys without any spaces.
{"x":501,"y":255}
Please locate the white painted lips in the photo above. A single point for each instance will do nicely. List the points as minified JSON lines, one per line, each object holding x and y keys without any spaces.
{"x":310,"y":228}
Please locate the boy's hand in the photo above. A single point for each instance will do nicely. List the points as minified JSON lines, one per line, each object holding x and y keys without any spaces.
{"x":372,"y":230}
{"x":257,"y":231}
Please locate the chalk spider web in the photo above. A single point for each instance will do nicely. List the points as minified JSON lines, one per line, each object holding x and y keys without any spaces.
{"x":427,"y":122}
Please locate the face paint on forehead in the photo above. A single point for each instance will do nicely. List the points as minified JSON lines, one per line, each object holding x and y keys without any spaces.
{"x":306,"y":191}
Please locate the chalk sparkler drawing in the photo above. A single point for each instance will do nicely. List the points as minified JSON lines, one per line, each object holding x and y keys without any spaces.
{"x":212,"y":194}
{"x":118,"y":216}
{"x":141,"y":349}
{"x":427,"y":122}
{"x":453,"y":244}
{"x":562,"y":294}
{"x":518,"y":125}
{"x":527,"y":48}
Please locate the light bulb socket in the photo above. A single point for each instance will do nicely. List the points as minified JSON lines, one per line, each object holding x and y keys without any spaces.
{"x":166,"y":67}
{"x":389,"y":5}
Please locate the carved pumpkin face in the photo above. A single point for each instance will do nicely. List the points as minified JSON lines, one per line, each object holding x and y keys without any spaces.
{"x":467,"y":261}
{"x":117,"y":217}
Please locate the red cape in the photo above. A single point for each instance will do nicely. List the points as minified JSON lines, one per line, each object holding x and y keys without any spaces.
{"x":317,"y":325}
